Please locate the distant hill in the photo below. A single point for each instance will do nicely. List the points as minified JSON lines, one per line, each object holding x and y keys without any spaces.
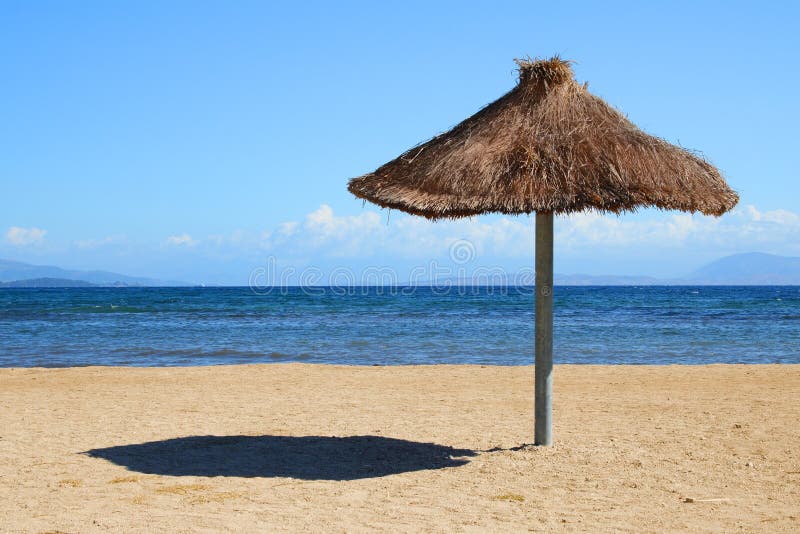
{"x":11,"y":271}
{"x":47,"y":282}
{"x":753,"y":268}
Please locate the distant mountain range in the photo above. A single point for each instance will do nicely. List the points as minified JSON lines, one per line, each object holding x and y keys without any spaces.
{"x":27,"y":275}
{"x":752,"y":268}
{"x":47,"y":282}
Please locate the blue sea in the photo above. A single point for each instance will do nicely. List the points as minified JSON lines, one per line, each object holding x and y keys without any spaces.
{"x":393,"y":326}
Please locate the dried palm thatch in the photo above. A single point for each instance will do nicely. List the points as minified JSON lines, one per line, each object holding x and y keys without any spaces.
{"x":548,"y":145}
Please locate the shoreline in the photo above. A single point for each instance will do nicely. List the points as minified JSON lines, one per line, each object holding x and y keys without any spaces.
{"x":293,"y":446}
{"x":400,"y":365}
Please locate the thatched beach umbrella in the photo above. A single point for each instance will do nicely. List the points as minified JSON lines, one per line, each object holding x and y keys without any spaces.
{"x":551,"y":147}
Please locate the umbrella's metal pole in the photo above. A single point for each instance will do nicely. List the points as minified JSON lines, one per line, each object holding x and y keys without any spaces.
{"x":543,"y":432}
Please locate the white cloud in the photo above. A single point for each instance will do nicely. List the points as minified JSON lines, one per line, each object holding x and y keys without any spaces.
{"x":650,"y":242}
{"x":744,"y":228}
{"x":370,"y":234}
{"x":323,"y":230}
{"x":25,"y":236}
{"x":182,"y":240}
{"x":90,"y":244}
{"x":388,"y":235}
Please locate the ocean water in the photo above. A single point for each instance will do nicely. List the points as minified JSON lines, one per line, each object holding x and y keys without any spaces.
{"x":388,"y":326}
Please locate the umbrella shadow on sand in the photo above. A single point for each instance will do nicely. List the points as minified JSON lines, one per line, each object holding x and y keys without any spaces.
{"x":301,"y":457}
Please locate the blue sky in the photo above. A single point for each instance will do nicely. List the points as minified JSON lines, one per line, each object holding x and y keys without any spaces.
{"x":194,"y":140}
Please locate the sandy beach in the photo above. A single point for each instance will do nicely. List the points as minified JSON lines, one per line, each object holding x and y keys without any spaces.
{"x":435,"y":448}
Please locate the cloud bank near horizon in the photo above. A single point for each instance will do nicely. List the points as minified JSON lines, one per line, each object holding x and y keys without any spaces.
{"x":370,"y":235}
{"x":590,"y":242}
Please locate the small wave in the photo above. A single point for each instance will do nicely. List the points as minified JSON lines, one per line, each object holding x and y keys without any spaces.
{"x":150,"y":353}
{"x":108,"y":308}
{"x":276,"y":355}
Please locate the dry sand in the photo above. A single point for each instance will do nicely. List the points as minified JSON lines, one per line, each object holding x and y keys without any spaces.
{"x":398,"y":448}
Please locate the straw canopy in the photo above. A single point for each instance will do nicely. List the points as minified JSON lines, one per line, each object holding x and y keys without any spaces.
{"x":548,"y":145}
